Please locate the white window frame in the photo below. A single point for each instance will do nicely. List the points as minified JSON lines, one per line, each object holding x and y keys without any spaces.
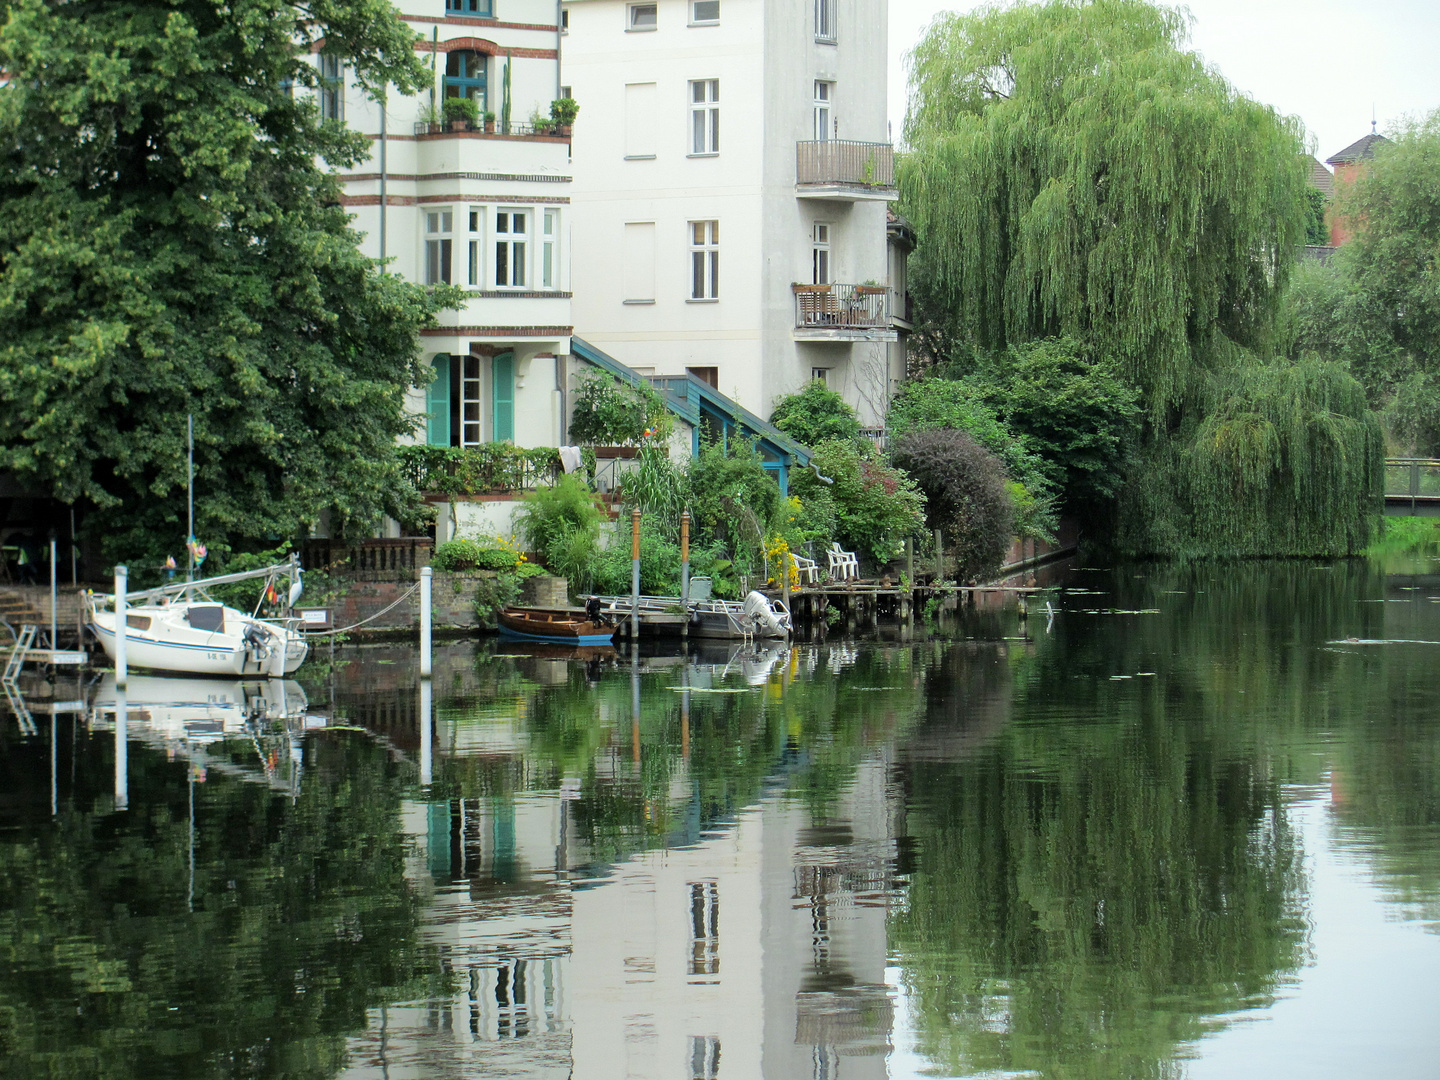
{"x":820,"y":374}
{"x":439,"y":245}
{"x":704,"y":239}
{"x":821,"y":272}
{"x":633,"y":11}
{"x":824,"y":110}
{"x":549,"y":246}
{"x":704,"y":117}
{"x":512,"y":243}
{"x":696,"y":20}
{"x":472,"y":392}
{"x":825,"y":13}
{"x":475,"y":247}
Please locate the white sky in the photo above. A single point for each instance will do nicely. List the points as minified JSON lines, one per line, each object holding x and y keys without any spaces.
{"x":1325,"y":61}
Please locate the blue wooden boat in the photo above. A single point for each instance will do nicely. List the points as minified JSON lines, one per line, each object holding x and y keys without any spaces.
{"x":555,"y":625}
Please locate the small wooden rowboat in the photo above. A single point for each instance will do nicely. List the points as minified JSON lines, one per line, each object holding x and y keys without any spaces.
{"x":554,"y":624}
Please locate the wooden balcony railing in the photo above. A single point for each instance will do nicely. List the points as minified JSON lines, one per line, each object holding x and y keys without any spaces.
{"x":843,"y":161}
{"x":842,"y":307}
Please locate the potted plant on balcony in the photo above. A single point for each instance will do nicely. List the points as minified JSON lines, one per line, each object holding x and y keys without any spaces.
{"x":540,"y":124}
{"x":563,"y":112}
{"x":489,"y":123}
{"x":461,"y":113}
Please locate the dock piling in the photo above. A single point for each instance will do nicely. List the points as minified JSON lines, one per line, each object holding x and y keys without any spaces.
{"x":427,"y":577}
{"x":635,"y":574}
{"x":122,"y":676}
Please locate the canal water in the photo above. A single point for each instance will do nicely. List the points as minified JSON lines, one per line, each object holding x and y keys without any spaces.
{"x":1182,"y":822}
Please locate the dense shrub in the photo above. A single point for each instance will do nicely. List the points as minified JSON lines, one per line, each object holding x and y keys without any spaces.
{"x":608,"y":413}
{"x":658,"y":488}
{"x":815,"y":414}
{"x":874,"y":506}
{"x":659,"y":565}
{"x":562,"y":525}
{"x":965,"y":495}
{"x":733,"y":498}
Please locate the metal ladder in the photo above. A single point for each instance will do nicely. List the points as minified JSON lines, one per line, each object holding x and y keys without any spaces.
{"x":23,"y":641}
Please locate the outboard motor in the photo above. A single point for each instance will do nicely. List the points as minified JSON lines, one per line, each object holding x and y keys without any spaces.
{"x":593,"y":612}
{"x":768,"y":622}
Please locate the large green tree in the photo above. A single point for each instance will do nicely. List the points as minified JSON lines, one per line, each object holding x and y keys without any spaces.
{"x":1376,"y":305}
{"x":1076,"y":171}
{"x":172,"y":243}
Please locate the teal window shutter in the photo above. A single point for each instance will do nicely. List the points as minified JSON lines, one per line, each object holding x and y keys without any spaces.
{"x":502,"y":386}
{"x":437,"y":403}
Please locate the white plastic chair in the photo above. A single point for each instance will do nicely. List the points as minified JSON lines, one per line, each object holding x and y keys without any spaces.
{"x":844,"y":565}
{"x":807,"y":570}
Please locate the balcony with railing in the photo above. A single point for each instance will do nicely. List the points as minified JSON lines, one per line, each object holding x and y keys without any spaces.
{"x":837,"y":312}
{"x":846,"y":170}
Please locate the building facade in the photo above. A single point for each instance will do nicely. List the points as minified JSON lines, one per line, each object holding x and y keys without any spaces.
{"x":732,"y":178}
{"x":483,"y":205}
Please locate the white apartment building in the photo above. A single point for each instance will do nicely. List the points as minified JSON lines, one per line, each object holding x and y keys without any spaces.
{"x":483,"y":206}
{"x":732,"y":174}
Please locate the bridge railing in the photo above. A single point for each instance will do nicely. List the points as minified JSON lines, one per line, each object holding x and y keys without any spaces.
{"x":1414,"y":478}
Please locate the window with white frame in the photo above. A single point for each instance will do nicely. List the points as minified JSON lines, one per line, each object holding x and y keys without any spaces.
{"x":641,"y":17}
{"x":704,"y":260}
{"x":820,"y":374}
{"x":824,"y":98}
{"x":472,"y":387}
{"x":704,"y":116}
{"x":704,"y":1057}
{"x":476,"y":252}
{"x":510,"y":236}
{"x":820,"y":254}
{"x":825,"y":20}
{"x":439,"y":224}
{"x":704,"y":12}
{"x":549,"y":237}
{"x":332,"y":87}
{"x":483,"y":8}
{"x":564,"y":24}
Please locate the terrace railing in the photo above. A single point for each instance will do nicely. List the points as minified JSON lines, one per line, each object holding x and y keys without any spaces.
{"x":844,"y":161}
{"x":842,"y":307}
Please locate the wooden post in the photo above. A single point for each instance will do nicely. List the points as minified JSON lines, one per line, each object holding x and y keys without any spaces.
{"x":635,"y":574}
{"x":54,"y":597}
{"x":939,"y":558}
{"x":685,"y":572}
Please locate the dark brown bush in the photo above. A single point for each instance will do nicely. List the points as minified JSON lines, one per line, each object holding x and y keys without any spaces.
{"x":965,"y":496}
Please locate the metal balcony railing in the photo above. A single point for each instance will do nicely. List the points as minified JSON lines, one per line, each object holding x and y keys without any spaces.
{"x":843,"y":161}
{"x":842,"y":307}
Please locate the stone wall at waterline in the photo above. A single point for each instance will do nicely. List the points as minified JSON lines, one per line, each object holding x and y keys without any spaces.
{"x":453,"y":595}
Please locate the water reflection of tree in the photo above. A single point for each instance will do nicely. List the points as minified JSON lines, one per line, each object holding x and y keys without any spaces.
{"x":301,"y":920}
{"x":802,"y":732}
{"x":1114,"y":870}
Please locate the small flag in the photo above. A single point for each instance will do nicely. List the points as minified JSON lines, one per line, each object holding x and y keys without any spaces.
{"x":197,"y":551}
{"x":169,"y":562}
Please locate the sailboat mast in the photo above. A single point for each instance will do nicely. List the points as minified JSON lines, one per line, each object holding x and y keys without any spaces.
{"x":190,"y":499}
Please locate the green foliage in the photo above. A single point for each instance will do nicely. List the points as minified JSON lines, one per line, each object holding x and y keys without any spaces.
{"x":966,"y":496}
{"x":1077,"y":413}
{"x":609,"y":413}
{"x":1317,"y":232}
{"x":174,"y":244}
{"x":659,"y":564}
{"x":466,"y":554}
{"x":562,"y":524}
{"x":461,"y":108}
{"x":1376,"y":306}
{"x":476,"y":470}
{"x":493,"y":594}
{"x":815,"y":414}
{"x":874,"y":505}
{"x":732,"y":498}
{"x":564,"y":110}
{"x":1075,"y":172}
{"x":1402,"y":535}
{"x":932,"y":404}
{"x":658,"y":488}
{"x":1286,"y":459}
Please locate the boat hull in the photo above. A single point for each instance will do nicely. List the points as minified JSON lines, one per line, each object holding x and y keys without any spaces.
{"x":552,"y":627}
{"x":196,"y":652}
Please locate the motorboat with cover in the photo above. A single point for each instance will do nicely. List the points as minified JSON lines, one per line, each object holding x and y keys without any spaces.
{"x":757,"y":616}
{"x":180,"y":628}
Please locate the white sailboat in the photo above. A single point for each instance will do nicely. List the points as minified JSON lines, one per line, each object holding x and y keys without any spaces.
{"x":179,"y":628}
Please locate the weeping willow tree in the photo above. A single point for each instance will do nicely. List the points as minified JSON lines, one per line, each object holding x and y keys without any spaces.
{"x":1075,"y":171}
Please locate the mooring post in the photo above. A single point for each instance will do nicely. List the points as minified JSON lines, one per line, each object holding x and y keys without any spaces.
{"x":122,"y":575}
{"x":685,"y":571}
{"x":426,"y":579}
{"x":635,"y":574}
{"x":54,"y":595}
{"x":939,"y":558}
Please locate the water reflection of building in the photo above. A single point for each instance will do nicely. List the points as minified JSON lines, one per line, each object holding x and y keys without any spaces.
{"x":757,"y":948}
